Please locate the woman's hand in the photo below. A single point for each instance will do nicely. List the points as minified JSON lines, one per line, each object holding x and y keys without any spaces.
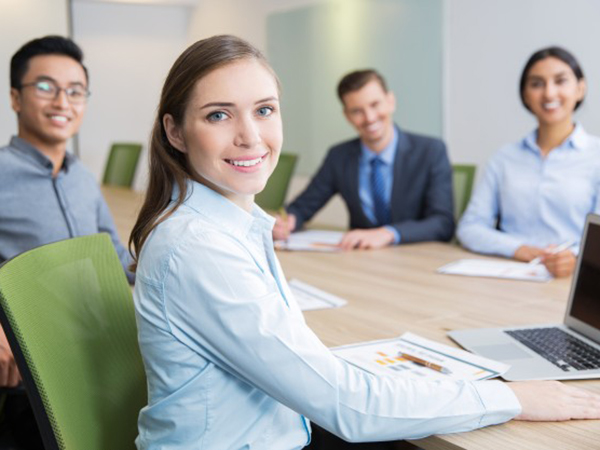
{"x":554,"y":401}
{"x":561,"y":264}
{"x":526,"y":253}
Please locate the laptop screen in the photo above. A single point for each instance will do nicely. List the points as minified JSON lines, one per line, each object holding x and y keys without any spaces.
{"x":585,"y":305}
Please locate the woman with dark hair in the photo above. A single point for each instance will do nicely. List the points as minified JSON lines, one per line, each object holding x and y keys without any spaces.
{"x":229,"y":359}
{"x":535,"y":193}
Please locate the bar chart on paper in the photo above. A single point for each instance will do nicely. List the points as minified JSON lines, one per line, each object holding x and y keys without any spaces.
{"x":382,"y":357}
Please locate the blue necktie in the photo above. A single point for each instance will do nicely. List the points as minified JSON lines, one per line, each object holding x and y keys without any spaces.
{"x":382,"y":210}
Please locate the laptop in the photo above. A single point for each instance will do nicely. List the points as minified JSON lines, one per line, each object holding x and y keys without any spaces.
{"x":552,"y":352}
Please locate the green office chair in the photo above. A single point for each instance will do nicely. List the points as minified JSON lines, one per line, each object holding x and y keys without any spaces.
{"x":272,"y":196}
{"x":68,"y":313}
{"x":121,"y":164}
{"x":463,"y":176}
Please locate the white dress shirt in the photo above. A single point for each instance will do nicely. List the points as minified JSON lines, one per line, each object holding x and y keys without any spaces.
{"x":231,"y":363}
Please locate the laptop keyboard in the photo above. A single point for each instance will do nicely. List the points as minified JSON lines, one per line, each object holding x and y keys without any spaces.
{"x":559,"y":347}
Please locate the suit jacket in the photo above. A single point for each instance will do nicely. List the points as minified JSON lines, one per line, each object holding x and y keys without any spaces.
{"x":422,"y":204}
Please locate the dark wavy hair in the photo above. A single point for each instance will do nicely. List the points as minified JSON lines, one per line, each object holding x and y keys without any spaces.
{"x":554,"y":52}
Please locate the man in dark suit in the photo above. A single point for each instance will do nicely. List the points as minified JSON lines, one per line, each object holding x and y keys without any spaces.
{"x":397,"y":186}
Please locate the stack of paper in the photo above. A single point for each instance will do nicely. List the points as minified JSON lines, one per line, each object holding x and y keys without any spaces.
{"x":497,"y":269}
{"x":309,"y":297}
{"x":384,"y":358}
{"x":312,"y":240}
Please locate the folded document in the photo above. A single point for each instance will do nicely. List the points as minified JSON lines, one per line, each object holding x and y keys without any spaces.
{"x":497,"y":269}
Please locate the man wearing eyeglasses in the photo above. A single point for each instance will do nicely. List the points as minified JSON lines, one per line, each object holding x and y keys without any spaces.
{"x":46,"y":194}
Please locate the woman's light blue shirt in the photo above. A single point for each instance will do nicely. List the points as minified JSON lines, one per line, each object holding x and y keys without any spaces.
{"x":231,"y":363}
{"x":535,"y":200}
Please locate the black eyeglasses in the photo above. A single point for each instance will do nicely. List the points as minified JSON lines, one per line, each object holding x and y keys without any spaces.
{"x":49,"y":90}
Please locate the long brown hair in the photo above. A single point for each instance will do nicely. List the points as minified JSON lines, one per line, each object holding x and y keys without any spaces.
{"x":169,"y":166}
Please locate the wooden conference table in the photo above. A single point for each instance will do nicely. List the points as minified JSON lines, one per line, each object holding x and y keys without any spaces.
{"x":394,"y":290}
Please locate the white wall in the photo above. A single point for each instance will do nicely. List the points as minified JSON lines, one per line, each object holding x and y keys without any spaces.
{"x":128,"y":51}
{"x":243,"y":18}
{"x":246,"y":19}
{"x":487,"y":45}
{"x":21,"y":21}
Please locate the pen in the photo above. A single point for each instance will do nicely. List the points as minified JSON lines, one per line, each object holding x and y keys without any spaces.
{"x":283,"y":213}
{"x":559,"y":248}
{"x":422,"y":362}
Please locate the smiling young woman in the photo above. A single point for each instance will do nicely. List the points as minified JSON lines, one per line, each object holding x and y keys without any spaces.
{"x":229,"y":359}
{"x":535,"y":193}
{"x":231,"y":133}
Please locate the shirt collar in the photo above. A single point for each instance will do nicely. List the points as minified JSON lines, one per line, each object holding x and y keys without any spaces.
{"x":577,"y":140}
{"x":387,"y":155}
{"x":30,"y":151}
{"x":226,"y":214}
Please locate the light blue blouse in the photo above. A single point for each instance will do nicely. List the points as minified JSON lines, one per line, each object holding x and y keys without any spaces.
{"x":536,"y":200}
{"x":231,"y":363}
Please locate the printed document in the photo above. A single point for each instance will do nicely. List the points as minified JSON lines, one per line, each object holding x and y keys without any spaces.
{"x":312,"y":240}
{"x":309,"y":297}
{"x":383,"y":358}
{"x":497,"y":269}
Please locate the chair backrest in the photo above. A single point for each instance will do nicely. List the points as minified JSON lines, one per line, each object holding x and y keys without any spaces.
{"x":463,"y":176}
{"x":68,"y":313}
{"x":121,"y":164}
{"x":272,"y":196}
